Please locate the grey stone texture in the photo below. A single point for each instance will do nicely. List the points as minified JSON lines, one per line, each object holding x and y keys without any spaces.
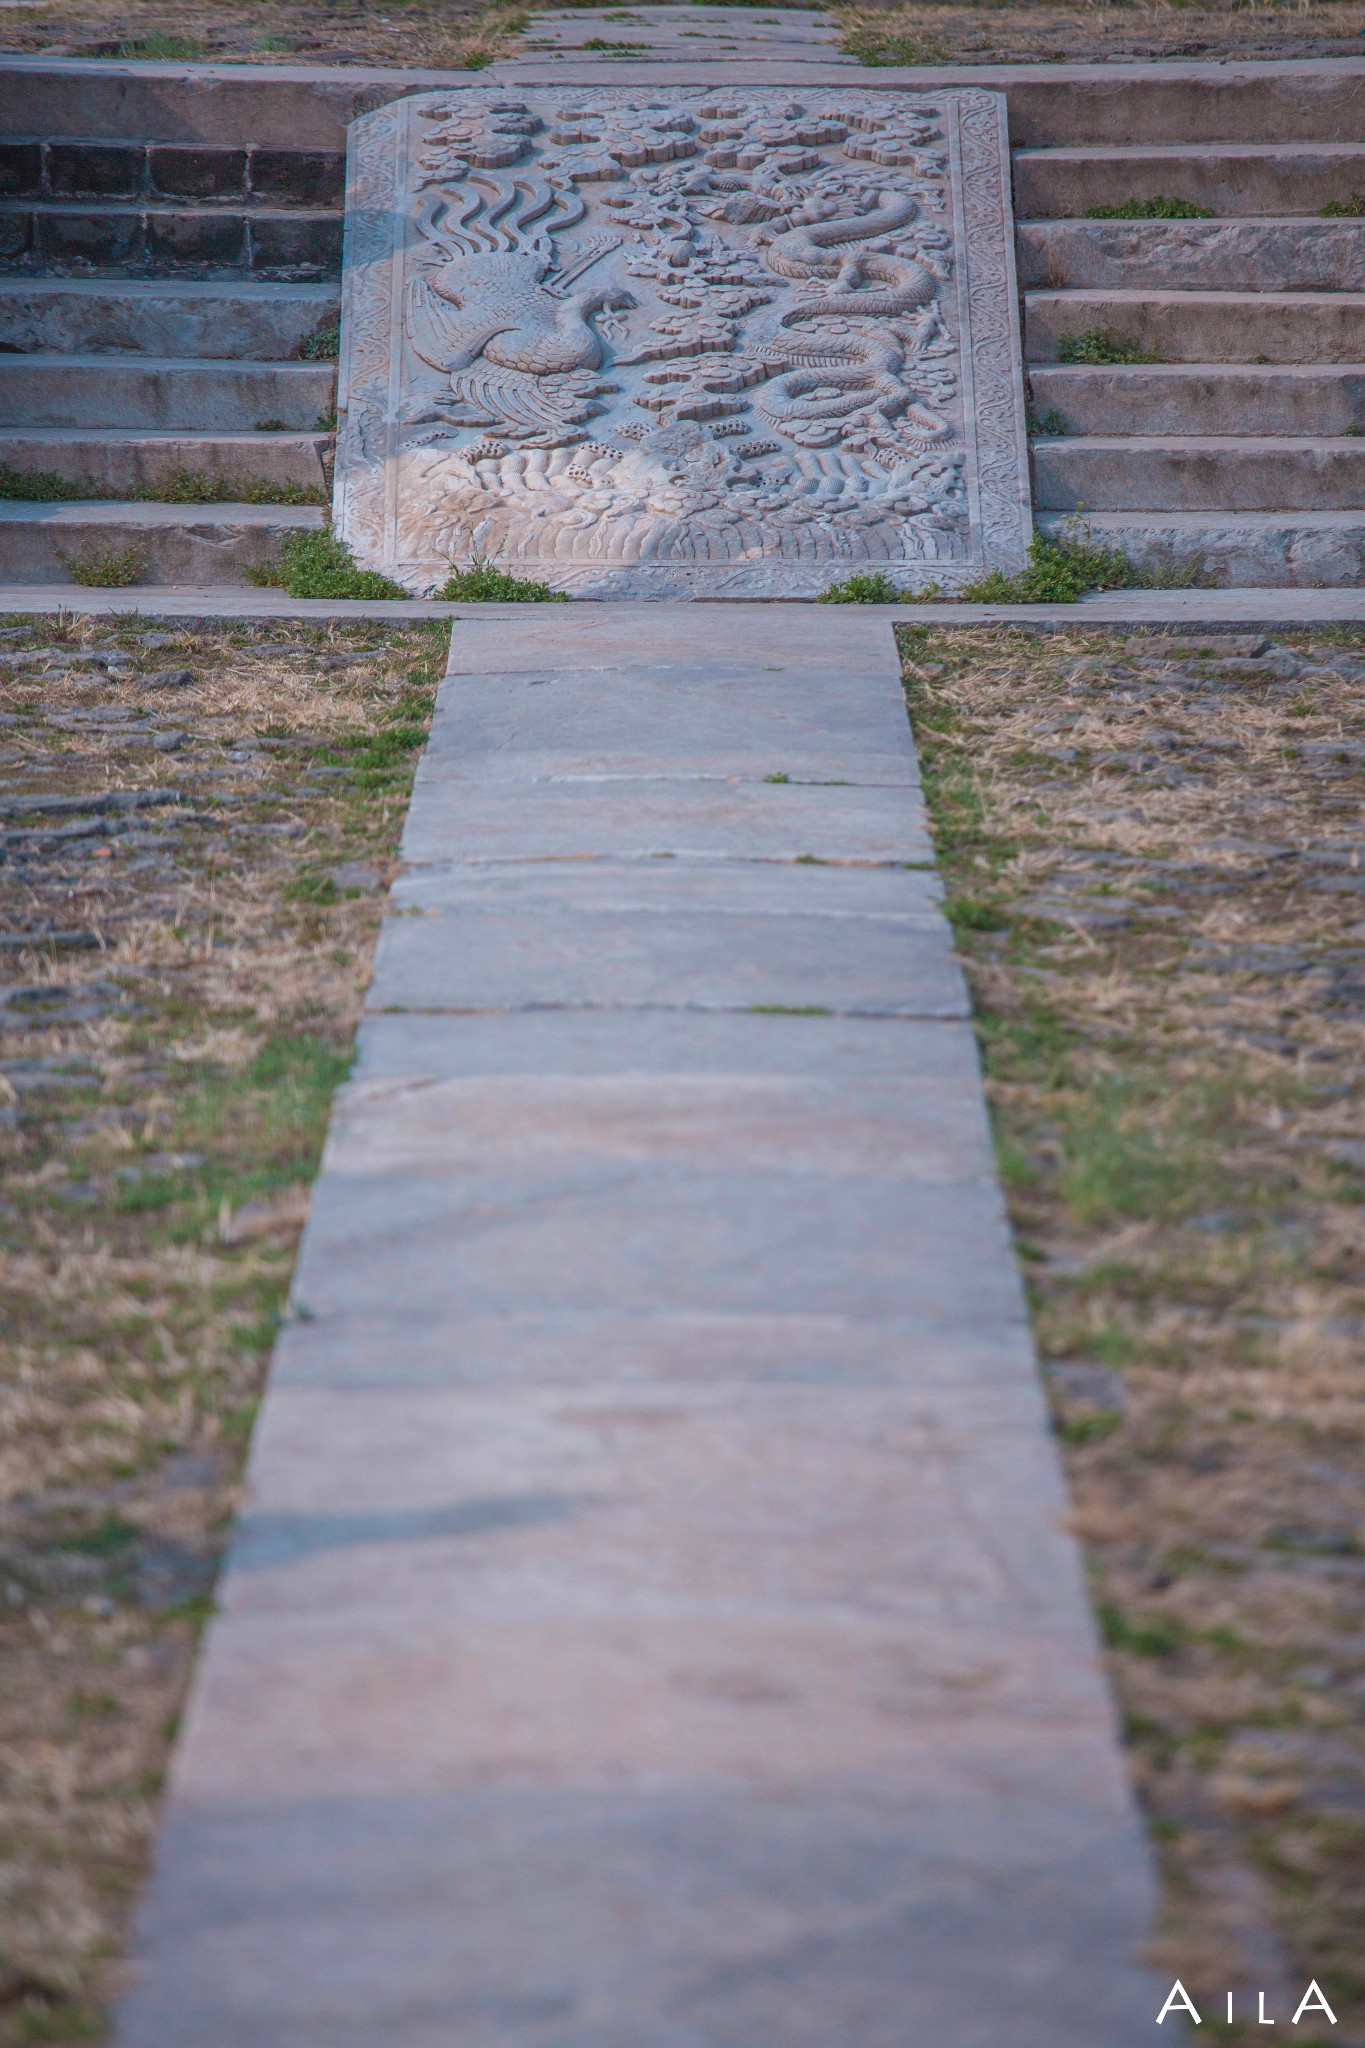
{"x":209,"y":544}
{"x":683,"y":342}
{"x":1236,"y":178}
{"x":162,"y":393}
{"x":179,"y":317}
{"x":1308,"y":400}
{"x":1206,"y":326}
{"x":1291,"y":255}
{"x":652,"y":1622}
{"x":1216,"y":473}
{"x":120,"y":462}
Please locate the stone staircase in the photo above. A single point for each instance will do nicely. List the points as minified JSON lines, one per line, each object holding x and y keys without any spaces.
{"x":170,"y":243}
{"x":165,"y":307}
{"x":1239,"y":451}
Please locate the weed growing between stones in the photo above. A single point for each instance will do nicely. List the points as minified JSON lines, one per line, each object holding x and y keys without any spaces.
{"x":193,"y":487}
{"x":115,"y":569}
{"x":176,"y":487}
{"x":1048,"y":423}
{"x":1104,"y":345}
{"x":875,"y":587}
{"x":1343,"y":209}
{"x":193,"y":884}
{"x":35,"y":486}
{"x":1151,"y":854}
{"x":1159,"y":207}
{"x":324,"y":344}
{"x":319,"y":564}
{"x":483,"y":583}
{"x":1061,"y":569}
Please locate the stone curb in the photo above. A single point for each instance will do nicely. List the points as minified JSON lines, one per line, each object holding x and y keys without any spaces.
{"x":1222,"y":610}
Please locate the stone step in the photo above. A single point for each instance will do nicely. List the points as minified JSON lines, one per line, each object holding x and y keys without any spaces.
{"x":1220,"y":473}
{"x":1271,"y":178}
{"x":282,"y":241}
{"x":309,"y":106}
{"x":1203,"y":398}
{"x":166,"y":393}
{"x":246,"y":318}
{"x":42,"y":168}
{"x":1243,"y":550}
{"x":119,"y":462}
{"x":1286,"y":255}
{"x":1204,"y":327}
{"x":172,"y":543}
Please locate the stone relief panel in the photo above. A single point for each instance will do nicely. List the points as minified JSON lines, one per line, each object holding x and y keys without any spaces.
{"x":682,"y":341}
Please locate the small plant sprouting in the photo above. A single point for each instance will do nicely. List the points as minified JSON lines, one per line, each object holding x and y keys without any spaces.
{"x":1045,"y":424}
{"x":1343,"y":209}
{"x":1104,"y":345}
{"x":323,"y":344}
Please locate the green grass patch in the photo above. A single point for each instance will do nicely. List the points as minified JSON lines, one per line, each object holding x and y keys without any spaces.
{"x":1343,"y":209}
{"x":323,"y":344}
{"x":319,"y":564}
{"x":192,"y":487}
{"x":162,"y":47}
{"x":1149,"y":1635}
{"x":113,"y":570}
{"x":37,"y":486}
{"x":483,"y":583}
{"x":1104,"y":345}
{"x":874,"y":47}
{"x":1158,"y":207}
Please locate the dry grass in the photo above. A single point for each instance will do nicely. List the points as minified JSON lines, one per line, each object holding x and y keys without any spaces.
{"x":453,"y":34}
{"x":166,"y":1064}
{"x":427,"y":34}
{"x":1155,"y":871}
{"x":947,"y":32}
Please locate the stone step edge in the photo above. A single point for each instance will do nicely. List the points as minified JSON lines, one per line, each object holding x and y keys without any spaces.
{"x":1195,"y":445}
{"x":101,"y":285}
{"x":1268,"y":609}
{"x":128,"y":359}
{"x":1205,"y":369}
{"x":1146,"y":295}
{"x":1121,"y":152}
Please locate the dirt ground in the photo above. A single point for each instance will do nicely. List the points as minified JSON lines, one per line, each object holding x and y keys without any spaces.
{"x":190,"y":889}
{"x":1154,"y":863}
{"x":449,"y":34}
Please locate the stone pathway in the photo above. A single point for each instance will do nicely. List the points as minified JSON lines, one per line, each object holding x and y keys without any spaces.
{"x":653,"y":1625}
{"x":749,"y":35}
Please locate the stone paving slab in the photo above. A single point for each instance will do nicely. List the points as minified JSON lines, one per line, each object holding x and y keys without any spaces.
{"x":652,"y":1622}
{"x":633,"y":818}
{"x":672,"y":934}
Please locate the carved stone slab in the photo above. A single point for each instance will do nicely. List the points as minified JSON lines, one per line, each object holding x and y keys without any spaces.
{"x":684,"y":341}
